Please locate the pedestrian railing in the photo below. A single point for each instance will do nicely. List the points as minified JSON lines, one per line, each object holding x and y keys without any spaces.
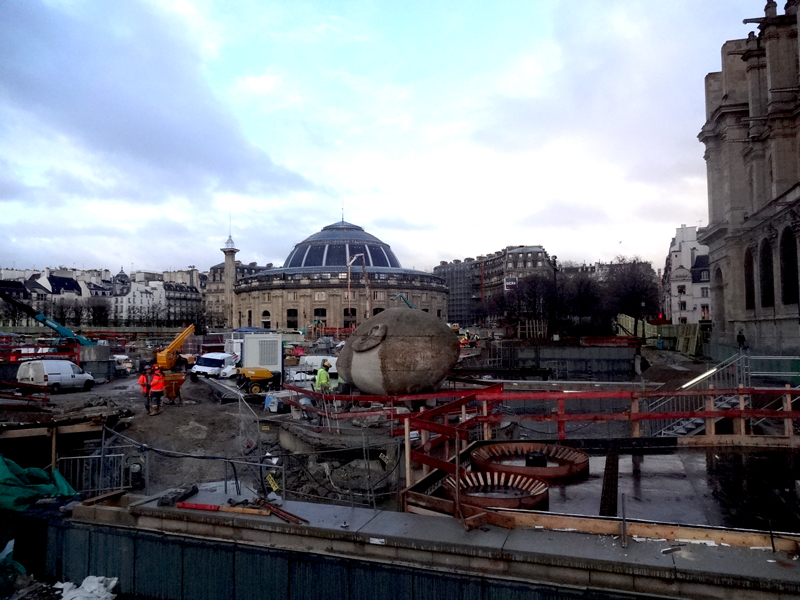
{"x":104,"y":472}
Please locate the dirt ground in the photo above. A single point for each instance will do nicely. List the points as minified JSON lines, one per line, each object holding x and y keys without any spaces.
{"x":201,"y":426}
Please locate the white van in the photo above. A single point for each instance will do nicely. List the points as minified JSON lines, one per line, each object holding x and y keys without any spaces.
{"x":215,"y":364}
{"x":55,"y":374}
{"x":312,"y":363}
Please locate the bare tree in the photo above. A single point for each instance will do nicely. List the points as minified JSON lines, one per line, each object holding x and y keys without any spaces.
{"x":632,"y":288}
{"x":10,"y":315}
{"x":99,"y":311}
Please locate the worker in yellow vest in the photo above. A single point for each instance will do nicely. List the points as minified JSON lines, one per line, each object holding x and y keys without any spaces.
{"x":323,"y":383}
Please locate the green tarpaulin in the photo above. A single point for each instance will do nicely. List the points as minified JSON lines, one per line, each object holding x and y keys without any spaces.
{"x":19,"y":488}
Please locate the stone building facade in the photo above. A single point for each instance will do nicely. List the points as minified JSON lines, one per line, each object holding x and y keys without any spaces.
{"x":334,"y":279}
{"x":753,"y":165}
{"x":472,"y":281}
{"x":685,"y":283}
{"x":219,"y":288}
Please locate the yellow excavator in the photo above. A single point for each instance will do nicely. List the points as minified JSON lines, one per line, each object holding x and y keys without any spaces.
{"x":171,"y":361}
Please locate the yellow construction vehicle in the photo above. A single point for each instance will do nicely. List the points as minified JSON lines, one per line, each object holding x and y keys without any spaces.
{"x":173,"y":364}
{"x":256,"y":379}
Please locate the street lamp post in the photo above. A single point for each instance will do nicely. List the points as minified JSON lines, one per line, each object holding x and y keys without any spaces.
{"x":553,"y":262}
{"x":366,"y":282}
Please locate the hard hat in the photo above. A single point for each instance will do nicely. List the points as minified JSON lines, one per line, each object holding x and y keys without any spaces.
{"x":326,"y":364}
{"x":147,"y":368}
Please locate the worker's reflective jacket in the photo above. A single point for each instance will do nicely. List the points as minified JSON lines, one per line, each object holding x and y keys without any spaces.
{"x":157,"y":384}
{"x":144,"y":382}
{"x":323,"y":381}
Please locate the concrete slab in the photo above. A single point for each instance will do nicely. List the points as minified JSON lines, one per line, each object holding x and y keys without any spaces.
{"x":728,"y":562}
{"x":571,"y":547}
{"x":444,"y":531}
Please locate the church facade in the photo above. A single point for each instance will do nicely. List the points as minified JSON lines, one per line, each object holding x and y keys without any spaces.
{"x":753,"y":168}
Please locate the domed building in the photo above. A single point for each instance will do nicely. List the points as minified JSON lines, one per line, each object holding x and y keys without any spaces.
{"x":334,"y":279}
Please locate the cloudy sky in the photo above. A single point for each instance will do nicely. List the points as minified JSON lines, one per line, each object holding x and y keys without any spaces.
{"x":139,"y":133}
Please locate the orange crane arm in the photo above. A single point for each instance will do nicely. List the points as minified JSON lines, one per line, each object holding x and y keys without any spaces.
{"x":167,"y":357}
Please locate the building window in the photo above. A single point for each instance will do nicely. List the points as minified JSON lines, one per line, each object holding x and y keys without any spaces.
{"x":766,"y":275}
{"x":320,"y":315}
{"x":682,"y":306}
{"x":375,"y":311}
{"x":291,"y":318}
{"x":319,"y":296}
{"x":788,"y":258}
{"x":705,"y":312}
{"x":378,"y":295}
{"x":704,"y":292}
{"x":703,"y":275}
{"x":681,"y":289}
{"x":265,"y":322}
{"x":749,"y":281}
{"x":682,"y":320}
{"x":291,"y":296}
{"x":349,"y":317}
{"x":267,"y":297}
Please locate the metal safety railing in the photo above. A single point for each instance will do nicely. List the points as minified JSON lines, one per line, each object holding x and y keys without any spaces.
{"x":739,"y":371}
{"x":726,"y":375}
{"x":102,"y":472}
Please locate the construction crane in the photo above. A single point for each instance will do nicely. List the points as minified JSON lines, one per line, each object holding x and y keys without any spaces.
{"x":404,"y":299}
{"x":64,"y":332}
{"x":168,"y":358}
{"x":366,"y":282}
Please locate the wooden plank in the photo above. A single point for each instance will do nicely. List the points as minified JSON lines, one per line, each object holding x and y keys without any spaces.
{"x":103,"y":497}
{"x":476,"y":521}
{"x":749,"y":539}
{"x":45,"y":431}
{"x":753,"y":441}
{"x":447,"y":506}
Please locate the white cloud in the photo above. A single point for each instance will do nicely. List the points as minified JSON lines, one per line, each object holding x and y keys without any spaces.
{"x":259,"y":85}
{"x":575,"y":129}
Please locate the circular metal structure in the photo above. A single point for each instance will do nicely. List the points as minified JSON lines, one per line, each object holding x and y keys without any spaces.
{"x":499,"y":490}
{"x":522,"y":458}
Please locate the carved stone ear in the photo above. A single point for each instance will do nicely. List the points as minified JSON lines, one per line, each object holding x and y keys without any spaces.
{"x":370,"y":339}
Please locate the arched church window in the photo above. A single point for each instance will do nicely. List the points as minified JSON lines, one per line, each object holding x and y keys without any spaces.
{"x":765,"y":275}
{"x":749,"y":281}
{"x":788,"y":258}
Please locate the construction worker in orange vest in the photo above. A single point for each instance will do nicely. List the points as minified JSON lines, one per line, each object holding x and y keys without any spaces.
{"x":156,"y":391}
{"x":144,"y":383}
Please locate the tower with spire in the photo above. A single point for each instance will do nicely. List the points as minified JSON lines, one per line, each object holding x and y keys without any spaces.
{"x":229,"y":278}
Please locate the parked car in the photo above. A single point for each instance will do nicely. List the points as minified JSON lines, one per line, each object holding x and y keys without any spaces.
{"x":214,"y":364}
{"x":55,"y":374}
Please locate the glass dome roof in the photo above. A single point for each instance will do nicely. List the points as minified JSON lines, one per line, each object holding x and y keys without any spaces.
{"x":336,"y":244}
